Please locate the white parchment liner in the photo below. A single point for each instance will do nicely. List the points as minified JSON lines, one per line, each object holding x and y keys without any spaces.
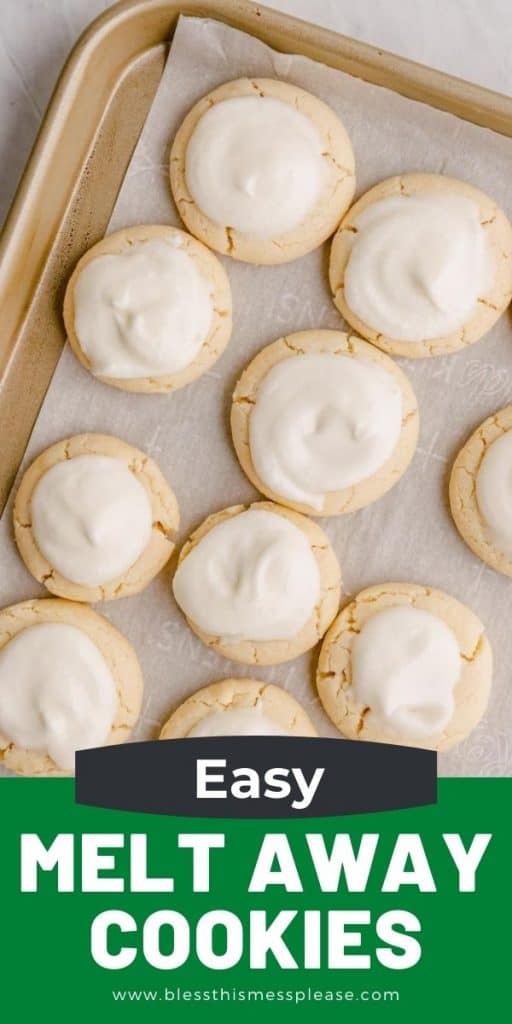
{"x":408,"y":535}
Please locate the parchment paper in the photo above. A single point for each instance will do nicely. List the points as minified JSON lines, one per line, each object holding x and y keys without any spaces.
{"x":407,"y":535}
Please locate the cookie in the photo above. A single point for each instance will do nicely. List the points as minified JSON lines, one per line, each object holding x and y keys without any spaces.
{"x":421,"y":265}
{"x":238,"y":707}
{"x":480,"y":491}
{"x":406,"y":664}
{"x":259,"y":584}
{"x":148,"y":309}
{"x":323,"y":422}
{"x":68,"y":680}
{"x":262,"y":170}
{"x":94,"y":518}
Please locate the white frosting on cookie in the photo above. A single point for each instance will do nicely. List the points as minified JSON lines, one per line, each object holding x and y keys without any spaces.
{"x":237,"y":722}
{"x":418,"y":265}
{"x":252,"y":577}
{"x":323,"y":422}
{"x":494,"y":492}
{"x":255,"y":164}
{"x":405,"y":665}
{"x":145,"y":312}
{"x":57,"y":694}
{"x":91,"y":518}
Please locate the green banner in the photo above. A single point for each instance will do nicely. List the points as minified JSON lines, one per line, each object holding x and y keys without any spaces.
{"x":357,"y":917}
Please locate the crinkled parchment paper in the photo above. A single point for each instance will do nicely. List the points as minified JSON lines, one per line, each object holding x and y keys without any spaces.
{"x":408,"y":535}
